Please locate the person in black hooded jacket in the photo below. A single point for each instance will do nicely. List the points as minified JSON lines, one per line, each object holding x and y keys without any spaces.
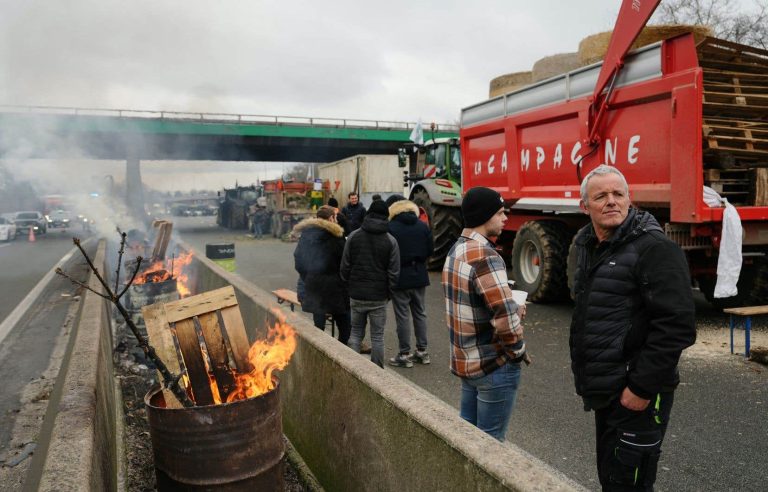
{"x":317,"y":258}
{"x":415,"y":242}
{"x":371,"y":266}
{"x":633,"y":317}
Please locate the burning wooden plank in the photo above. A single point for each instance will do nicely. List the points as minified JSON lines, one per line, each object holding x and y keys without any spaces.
{"x":208,"y":328}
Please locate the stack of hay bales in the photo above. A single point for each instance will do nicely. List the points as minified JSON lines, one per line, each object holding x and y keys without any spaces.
{"x":592,"y":49}
{"x":549,"y":66}
{"x":504,"y":84}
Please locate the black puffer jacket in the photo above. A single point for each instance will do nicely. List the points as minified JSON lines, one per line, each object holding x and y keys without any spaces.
{"x":317,"y":259}
{"x":371,"y":262}
{"x":415,"y":242}
{"x":354,"y":215}
{"x":634,"y":311}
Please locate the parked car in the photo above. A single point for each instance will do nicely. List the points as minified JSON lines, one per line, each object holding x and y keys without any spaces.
{"x":59,"y":219}
{"x":7,"y":229}
{"x":26,"y":220}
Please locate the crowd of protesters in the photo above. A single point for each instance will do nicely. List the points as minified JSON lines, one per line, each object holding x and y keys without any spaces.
{"x":632,"y":318}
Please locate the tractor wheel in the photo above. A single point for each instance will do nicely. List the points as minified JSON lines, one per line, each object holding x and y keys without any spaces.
{"x":752,"y":286}
{"x":539,"y":257}
{"x":446,"y":225}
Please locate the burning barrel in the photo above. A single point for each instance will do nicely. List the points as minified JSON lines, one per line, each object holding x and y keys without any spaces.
{"x":223,"y":428}
{"x":229,"y":446}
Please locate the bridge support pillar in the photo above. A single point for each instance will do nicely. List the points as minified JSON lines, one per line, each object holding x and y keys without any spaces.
{"x":134,"y":190}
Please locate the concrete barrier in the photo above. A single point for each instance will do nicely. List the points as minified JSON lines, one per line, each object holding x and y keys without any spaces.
{"x":80,"y":450}
{"x":359,"y":427}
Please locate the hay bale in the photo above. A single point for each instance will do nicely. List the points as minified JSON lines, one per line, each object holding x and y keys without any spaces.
{"x":593,"y":48}
{"x":509,"y":82}
{"x":549,"y":66}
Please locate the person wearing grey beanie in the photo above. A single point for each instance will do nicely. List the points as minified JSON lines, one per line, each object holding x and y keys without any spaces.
{"x":483,"y":319}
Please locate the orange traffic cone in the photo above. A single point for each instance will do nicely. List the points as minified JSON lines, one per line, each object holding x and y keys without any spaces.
{"x":31,"y":234}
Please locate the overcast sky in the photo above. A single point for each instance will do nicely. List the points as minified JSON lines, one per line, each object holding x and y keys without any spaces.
{"x":395,"y":60}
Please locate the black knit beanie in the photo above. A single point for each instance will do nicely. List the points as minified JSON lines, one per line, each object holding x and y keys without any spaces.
{"x":332,"y":202}
{"x":394,"y":198}
{"x":379,"y":208}
{"x":479,"y":205}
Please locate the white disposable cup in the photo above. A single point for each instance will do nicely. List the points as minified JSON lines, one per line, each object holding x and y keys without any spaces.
{"x":519,"y":296}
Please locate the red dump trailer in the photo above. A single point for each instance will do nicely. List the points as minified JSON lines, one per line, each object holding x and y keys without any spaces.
{"x":679,"y":115}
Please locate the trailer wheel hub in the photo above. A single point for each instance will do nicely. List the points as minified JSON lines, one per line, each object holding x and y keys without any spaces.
{"x":531,"y":260}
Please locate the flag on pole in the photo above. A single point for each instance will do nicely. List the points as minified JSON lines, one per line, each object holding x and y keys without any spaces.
{"x":417,"y":135}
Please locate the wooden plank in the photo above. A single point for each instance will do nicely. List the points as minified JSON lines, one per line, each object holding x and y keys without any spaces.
{"x":217,"y":353}
{"x":747,"y":310}
{"x":161,"y":339}
{"x":286,"y":295}
{"x":761,"y":187}
{"x":200,"y":304}
{"x":193,"y":361}
{"x":238,"y":339}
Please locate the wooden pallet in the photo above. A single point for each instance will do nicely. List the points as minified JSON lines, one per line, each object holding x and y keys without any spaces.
{"x":163,"y":229}
{"x":748,"y":139}
{"x":196,"y":334}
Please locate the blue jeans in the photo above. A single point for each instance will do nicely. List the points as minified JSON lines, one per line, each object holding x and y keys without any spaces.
{"x":376,"y":312}
{"x":487,"y":402}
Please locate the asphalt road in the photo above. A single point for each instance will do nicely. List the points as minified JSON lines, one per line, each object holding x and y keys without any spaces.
{"x":23,"y":264}
{"x":717,"y":438}
{"x":31,"y":352}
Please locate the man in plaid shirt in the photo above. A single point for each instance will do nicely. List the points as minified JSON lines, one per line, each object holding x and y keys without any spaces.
{"x":483,"y":320}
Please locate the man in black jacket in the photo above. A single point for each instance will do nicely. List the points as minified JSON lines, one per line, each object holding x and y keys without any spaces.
{"x":370,"y":266}
{"x":633,"y":317}
{"x":353,"y":212}
{"x":415,"y":242}
{"x":317,"y":258}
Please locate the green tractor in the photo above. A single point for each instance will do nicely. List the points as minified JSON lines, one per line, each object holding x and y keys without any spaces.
{"x":434,"y":176}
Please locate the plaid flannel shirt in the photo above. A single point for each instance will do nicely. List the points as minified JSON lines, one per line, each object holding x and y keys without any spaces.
{"x":482,"y":318}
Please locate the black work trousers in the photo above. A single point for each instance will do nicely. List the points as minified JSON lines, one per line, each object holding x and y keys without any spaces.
{"x":629,"y":443}
{"x":343,"y":322}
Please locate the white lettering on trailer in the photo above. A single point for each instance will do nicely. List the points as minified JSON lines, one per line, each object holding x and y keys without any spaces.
{"x":525,"y":159}
{"x":636,"y":5}
{"x":575,"y":157}
{"x":539,"y":157}
{"x":478,"y":167}
{"x":491,"y":169}
{"x":632,"y":150}
{"x":610,"y":151}
{"x":558,"y":156}
{"x":504,"y":162}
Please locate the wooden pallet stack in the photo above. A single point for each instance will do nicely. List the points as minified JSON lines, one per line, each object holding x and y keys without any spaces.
{"x":203,"y":335}
{"x":735,"y":128}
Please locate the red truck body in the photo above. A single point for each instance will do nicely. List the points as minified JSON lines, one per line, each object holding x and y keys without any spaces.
{"x":527,"y":145}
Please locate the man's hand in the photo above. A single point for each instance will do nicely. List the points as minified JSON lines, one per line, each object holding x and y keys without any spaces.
{"x":632,"y":401}
{"x":521,"y":311}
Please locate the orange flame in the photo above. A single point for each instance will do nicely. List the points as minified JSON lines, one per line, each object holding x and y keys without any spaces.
{"x":265,"y":357}
{"x":160,"y":271}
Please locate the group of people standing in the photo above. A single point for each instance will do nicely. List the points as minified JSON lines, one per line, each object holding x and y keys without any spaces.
{"x":633,"y":313}
{"x":352,"y":262}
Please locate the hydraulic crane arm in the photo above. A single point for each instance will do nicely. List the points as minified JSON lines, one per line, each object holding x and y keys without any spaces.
{"x":633,"y":16}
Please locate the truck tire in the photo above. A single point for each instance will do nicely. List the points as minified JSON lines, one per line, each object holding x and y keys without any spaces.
{"x":446,"y":225}
{"x":752,"y":287}
{"x":539,"y":258}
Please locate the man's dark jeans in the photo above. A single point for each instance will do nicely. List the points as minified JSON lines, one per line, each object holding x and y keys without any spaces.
{"x":341,"y":320}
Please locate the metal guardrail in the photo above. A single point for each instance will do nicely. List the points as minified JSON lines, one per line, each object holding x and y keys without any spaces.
{"x":240,"y":119}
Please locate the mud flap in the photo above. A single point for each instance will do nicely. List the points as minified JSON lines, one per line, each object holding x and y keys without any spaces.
{"x":636,"y":457}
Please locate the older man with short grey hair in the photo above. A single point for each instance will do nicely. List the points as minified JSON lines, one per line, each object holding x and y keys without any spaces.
{"x":633,"y":317}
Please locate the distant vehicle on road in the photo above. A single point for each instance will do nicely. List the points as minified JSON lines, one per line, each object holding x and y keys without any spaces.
{"x":26,"y":220}
{"x":59,"y":219}
{"x":7,"y":229}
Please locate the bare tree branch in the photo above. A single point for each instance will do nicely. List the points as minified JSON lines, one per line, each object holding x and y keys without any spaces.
{"x":61,"y":272}
{"x":120,"y":260}
{"x":130,"y":282}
